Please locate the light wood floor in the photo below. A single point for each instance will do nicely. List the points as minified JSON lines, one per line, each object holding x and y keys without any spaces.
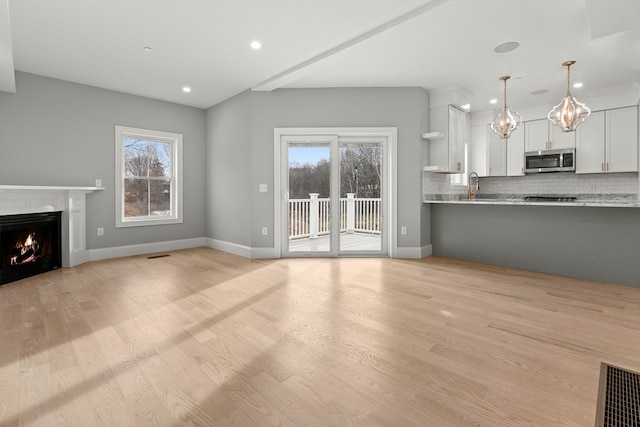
{"x":210,"y":339}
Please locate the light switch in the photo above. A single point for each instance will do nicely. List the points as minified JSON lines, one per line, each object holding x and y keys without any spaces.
{"x":263,"y":188}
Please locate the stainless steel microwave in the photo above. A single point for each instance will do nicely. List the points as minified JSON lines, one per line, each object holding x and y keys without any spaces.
{"x":562,"y":160}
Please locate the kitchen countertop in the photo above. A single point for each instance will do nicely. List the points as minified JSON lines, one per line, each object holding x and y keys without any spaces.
{"x":588,"y":200}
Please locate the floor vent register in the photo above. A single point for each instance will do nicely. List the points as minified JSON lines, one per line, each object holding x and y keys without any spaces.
{"x":157,"y":256}
{"x":618,"y":398}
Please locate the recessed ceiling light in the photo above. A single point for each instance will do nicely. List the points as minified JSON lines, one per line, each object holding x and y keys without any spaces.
{"x":577,"y":85}
{"x":186,"y":89}
{"x":493,"y":101}
{"x":147,"y":49}
{"x":540,"y":92}
{"x":506,"y":47}
{"x":256,"y":45}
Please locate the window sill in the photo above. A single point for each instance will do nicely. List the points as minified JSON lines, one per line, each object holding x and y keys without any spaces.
{"x":146,"y":222}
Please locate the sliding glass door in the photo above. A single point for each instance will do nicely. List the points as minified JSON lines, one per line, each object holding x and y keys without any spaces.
{"x":310,"y":196}
{"x":361,"y":194}
{"x":333,"y":195}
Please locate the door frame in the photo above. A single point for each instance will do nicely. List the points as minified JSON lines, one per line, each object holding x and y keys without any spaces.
{"x":391,"y":208}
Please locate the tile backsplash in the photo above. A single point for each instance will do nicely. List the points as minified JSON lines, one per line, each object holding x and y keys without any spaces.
{"x":539,"y":184}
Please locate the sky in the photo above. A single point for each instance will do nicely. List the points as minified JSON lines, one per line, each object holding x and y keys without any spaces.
{"x":304,"y":155}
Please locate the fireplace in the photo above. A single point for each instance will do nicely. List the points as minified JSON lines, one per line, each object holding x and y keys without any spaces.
{"x":30,"y":244}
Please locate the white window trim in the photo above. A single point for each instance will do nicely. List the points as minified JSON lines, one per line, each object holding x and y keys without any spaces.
{"x":176,"y":173}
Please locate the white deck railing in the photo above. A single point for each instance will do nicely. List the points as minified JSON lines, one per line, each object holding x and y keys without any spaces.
{"x":311,"y":217}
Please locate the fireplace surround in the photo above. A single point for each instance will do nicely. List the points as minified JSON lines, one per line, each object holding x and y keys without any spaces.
{"x":30,"y":244}
{"x":70,"y":201}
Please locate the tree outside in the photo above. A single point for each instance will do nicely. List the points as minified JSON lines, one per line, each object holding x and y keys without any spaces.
{"x":147,"y":178}
{"x":360,"y":173}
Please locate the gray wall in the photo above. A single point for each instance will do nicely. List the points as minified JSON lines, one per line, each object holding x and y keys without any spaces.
{"x":229,"y":170}
{"x":404,"y":108}
{"x":54,"y":132}
{"x":59,"y":133}
{"x":600,"y":244}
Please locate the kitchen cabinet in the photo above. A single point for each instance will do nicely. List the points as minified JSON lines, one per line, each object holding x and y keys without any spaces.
{"x":452,"y":130}
{"x":560,"y":139}
{"x":542,"y":135}
{"x":608,"y":142}
{"x":496,"y":154}
{"x":492,"y":156}
{"x":536,"y":135}
{"x":590,"y":144}
{"x":621,"y":144}
{"x":515,"y":153}
{"x":478,"y":150}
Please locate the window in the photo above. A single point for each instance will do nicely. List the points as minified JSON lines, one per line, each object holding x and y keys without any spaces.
{"x":148,"y":177}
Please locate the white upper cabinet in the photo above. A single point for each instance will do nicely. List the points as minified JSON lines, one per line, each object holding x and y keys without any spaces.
{"x":536,"y":135}
{"x":590,"y":144}
{"x":608,"y":142}
{"x":621,"y":144}
{"x":560,"y":139}
{"x":515,"y":153}
{"x":478,"y":150}
{"x":497,"y":154}
{"x":492,"y":156}
{"x":542,"y":135}
{"x":451,"y":129}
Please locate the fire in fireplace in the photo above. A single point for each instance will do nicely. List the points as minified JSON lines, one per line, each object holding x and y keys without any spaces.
{"x":29,"y":251}
{"x":30,"y":244}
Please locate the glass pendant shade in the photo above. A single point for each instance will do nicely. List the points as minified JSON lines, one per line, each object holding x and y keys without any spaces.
{"x":570,"y":112}
{"x":507,"y":121}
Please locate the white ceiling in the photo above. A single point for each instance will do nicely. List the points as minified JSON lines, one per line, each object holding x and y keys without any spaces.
{"x":326,"y":43}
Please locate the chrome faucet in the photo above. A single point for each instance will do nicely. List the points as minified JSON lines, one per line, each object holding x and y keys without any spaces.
{"x":472,"y":189}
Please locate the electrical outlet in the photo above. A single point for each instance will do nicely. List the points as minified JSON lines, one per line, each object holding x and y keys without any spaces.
{"x":100,"y":231}
{"x":403,"y":230}
{"x":262,"y":188}
{"x":265,"y":231}
{"x":98,"y":182}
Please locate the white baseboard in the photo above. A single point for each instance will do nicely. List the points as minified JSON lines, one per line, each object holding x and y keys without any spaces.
{"x":264,"y":253}
{"x":413,"y":253}
{"x":147,"y":248}
{"x":427,"y":250}
{"x":77,"y":257}
{"x":144,"y":248}
{"x":232,"y":248}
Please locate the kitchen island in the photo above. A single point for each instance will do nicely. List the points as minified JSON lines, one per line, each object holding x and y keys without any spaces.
{"x":590,"y":240}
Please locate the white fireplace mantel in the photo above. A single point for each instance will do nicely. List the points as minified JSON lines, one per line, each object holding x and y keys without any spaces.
{"x":22,"y":199}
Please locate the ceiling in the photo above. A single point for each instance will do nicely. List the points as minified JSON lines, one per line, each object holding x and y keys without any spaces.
{"x":325,"y":43}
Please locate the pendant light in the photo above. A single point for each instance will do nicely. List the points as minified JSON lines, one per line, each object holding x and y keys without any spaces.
{"x":569,"y":113}
{"x":507,"y":121}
